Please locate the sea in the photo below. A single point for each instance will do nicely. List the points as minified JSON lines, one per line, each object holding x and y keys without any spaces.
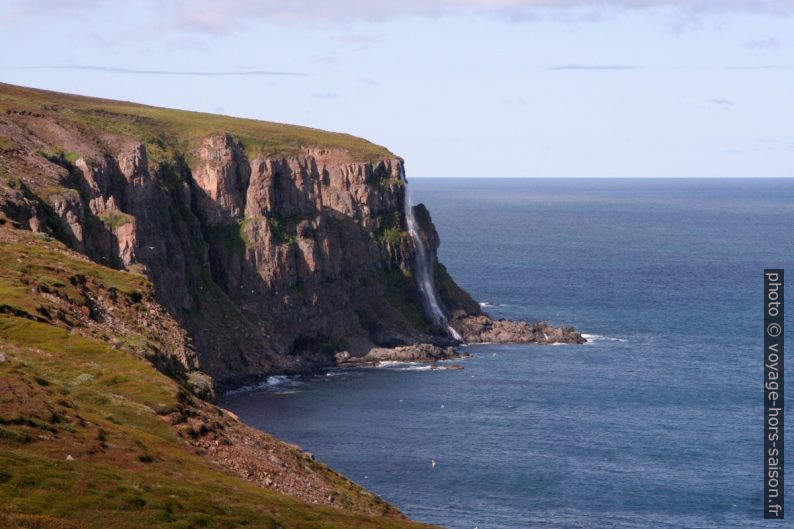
{"x":656,"y":422}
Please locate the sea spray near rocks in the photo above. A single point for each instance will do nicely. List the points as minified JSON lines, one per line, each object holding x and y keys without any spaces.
{"x":424,"y":272}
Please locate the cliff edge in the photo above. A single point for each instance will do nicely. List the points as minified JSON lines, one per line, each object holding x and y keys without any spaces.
{"x":275,"y":247}
{"x":148,"y":258}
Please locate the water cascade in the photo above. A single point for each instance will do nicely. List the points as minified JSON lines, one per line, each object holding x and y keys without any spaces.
{"x":424,"y":272}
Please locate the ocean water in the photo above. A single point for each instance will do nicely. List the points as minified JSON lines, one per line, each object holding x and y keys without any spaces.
{"x":657,"y":422}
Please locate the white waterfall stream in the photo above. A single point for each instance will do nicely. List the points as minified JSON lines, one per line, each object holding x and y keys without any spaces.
{"x":424,"y":272}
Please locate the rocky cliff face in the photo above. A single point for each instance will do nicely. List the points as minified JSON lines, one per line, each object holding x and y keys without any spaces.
{"x":271,"y":262}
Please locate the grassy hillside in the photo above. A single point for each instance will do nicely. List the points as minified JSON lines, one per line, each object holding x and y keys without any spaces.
{"x":167,"y":131}
{"x":93,"y":436}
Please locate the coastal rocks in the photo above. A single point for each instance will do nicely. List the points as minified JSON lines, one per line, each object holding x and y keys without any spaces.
{"x":483,"y":329}
{"x":423,"y":352}
{"x":449,"y":367}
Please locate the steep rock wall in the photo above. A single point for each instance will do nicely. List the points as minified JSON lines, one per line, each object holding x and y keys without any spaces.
{"x":272,"y":264}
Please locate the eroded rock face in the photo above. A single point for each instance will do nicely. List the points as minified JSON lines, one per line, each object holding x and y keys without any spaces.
{"x":272,"y":264}
{"x":221,"y":177}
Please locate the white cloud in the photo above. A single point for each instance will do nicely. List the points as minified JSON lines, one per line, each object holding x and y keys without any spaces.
{"x":188,"y":73}
{"x":224,"y":16}
{"x":594,"y":67}
{"x":217,"y":14}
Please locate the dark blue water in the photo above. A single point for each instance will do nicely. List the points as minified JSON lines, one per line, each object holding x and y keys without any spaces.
{"x":656,"y":423}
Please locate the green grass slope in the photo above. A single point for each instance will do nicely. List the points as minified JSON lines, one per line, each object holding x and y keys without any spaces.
{"x":167,"y":131}
{"x":84,"y":438}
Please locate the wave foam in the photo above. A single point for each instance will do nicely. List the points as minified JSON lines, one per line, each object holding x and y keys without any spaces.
{"x":403,"y":366}
{"x":275,"y":383}
{"x":414,"y":366}
{"x":601,"y":338}
{"x":276,"y":380}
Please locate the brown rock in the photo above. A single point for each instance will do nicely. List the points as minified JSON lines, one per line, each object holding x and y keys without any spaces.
{"x":423,"y":352}
{"x":484,"y":329}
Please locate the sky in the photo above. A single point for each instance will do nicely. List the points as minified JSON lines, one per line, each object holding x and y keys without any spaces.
{"x":458,"y":88}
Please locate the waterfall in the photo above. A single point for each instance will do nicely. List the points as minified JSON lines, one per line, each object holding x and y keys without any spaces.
{"x":424,"y":272}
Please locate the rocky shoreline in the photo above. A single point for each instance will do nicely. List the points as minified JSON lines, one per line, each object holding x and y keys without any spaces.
{"x":421,"y":353}
{"x":474,"y":329}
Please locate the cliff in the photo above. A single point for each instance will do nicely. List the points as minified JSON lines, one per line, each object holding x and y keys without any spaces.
{"x":216,"y":250}
{"x":274,"y":247}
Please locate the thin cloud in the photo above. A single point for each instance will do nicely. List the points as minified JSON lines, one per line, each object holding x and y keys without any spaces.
{"x":769,"y":43}
{"x":357,"y":38}
{"x":328,"y":59}
{"x":325,"y":95}
{"x":721,"y":101}
{"x":760,"y":67}
{"x":593,"y":67}
{"x":199,"y":73}
{"x":218,"y":17}
{"x":518,"y":101}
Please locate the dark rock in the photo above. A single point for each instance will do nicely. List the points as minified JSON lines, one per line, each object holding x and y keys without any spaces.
{"x":271,"y":264}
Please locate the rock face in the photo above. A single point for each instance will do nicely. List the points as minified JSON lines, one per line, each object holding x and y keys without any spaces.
{"x":271,"y":263}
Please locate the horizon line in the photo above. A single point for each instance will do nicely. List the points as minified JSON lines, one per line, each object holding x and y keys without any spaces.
{"x":606,"y":177}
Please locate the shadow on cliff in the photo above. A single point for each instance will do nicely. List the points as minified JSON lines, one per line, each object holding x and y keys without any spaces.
{"x":331,"y":285}
{"x":280,"y":289}
{"x":98,"y":240}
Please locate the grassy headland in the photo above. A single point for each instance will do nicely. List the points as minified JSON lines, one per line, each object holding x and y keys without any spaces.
{"x":87,"y":436}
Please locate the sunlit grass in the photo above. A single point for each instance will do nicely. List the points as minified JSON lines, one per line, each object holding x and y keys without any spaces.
{"x":69,"y":395}
{"x":168,"y":132}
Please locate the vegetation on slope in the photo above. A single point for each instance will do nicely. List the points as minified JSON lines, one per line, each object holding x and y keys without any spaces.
{"x":169,"y":132}
{"x":93,"y":436}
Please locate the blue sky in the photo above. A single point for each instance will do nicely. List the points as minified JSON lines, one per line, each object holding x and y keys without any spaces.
{"x":475,"y":88}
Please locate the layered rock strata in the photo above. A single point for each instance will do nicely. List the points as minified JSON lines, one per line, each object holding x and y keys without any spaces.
{"x":272,"y":263}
